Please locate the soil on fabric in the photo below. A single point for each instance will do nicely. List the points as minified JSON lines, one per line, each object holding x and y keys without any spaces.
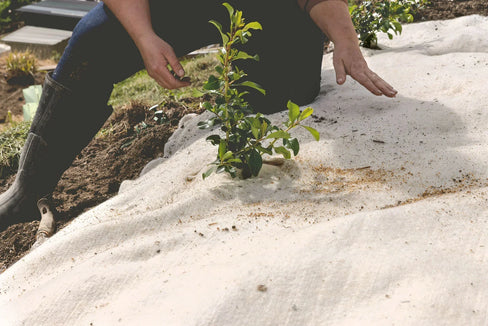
{"x":125,"y":146}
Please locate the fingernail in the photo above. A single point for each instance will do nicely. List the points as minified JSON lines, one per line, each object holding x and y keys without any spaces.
{"x":181,"y":72}
{"x":340,"y":80}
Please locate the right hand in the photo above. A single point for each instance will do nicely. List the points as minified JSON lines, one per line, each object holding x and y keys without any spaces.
{"x":157,"y":54}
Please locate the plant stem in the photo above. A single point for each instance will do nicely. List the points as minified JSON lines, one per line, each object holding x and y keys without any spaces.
{"x":226,"y":70}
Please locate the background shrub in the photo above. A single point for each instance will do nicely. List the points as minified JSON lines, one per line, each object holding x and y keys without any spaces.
{"x":9,"y":19}
{"x":386,"y":16}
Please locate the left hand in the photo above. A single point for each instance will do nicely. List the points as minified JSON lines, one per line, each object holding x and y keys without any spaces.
{"x":348,"y":60}
{"x":333,"y":18}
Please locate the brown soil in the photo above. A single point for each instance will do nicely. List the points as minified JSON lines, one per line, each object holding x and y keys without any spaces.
{"x":128,"y":141}
{"x":11,"y":97}
{"x":448,"y":9}
{"x":125,"y":146}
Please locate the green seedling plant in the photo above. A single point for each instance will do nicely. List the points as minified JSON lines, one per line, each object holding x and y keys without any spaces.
{"x":245,"y":138}
{"x":386,"y":16}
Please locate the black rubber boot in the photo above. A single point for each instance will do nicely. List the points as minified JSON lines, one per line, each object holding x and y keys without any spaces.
{"x":64,"y":124}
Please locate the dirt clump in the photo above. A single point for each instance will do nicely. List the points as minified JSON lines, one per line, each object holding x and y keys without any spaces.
{"x":126,"y":143}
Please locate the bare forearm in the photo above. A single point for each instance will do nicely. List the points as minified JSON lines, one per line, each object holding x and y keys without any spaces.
{"x":333,"y":18}
{"x":134,"y":15}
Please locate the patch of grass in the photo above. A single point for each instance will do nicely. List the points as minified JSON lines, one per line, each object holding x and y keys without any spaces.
{"x":21,"y":64}
{"x":142,"y":88}
{"x":11,"y":143}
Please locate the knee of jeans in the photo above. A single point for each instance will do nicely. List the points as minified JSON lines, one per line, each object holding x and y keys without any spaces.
{"x":90,"y":46}
{"x":93,"y":21}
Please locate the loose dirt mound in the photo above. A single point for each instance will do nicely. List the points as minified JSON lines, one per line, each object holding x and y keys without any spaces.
{"x":128,"y":141}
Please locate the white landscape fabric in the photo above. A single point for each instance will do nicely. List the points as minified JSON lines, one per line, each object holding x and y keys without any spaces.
{"x":382,"y":222}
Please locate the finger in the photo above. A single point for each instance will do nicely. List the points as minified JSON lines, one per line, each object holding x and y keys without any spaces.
{"x":174,"y":62}
{"x":156,"y":73}
{"x":382,"y":85}
{"x":184,"y":79}
{"x":340,"y":71}
{"x":364,"y":80}
{"x":170,"y":80}
{"x":165,"y":78}
{"x":172,"y":84}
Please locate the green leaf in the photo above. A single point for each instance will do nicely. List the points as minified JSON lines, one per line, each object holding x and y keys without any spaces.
{"x":252,"y":25}
{"x":237,"y":18}
{"x":229,"y":8}
{"x":264,"y":127}
{"x":283,"y":151}
{"x":279,"y":134}
{"x":227,"y":156}
{"x":305,"y":114}
{"x":252,"y":85}
{"x":222,"y":149}
{"x":255,"y":132}
{"x":314,"y":132}
{"x":219,"y":69}
{"x":212,"y":83}
{"x":254,"y":122}
{"x":255,"y":162}
{"x":293,"y":111}
{"x":241,"y":55}
{"x":268,"y":150}
{"x":196,"y":93}
{"x":225,"y":38}
{"x":206,"y":105}
{"x":398,"y":27}
{"x":294,"y":146}
{"x":214,"y":139}
{"x":209,"y":172}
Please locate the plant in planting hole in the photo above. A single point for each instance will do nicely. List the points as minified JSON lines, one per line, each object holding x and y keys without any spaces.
{"x":370,"y":17}
{"x":244,"y":138}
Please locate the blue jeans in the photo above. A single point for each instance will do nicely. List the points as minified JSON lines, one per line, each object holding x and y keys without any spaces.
{"x":101,"y":53}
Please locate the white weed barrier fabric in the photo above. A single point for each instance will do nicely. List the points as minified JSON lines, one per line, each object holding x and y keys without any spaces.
{"x":384,"y":221}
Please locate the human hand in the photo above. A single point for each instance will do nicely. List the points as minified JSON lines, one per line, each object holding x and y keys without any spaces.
{"x":348,"y":60}
{"x":157,"y":54}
